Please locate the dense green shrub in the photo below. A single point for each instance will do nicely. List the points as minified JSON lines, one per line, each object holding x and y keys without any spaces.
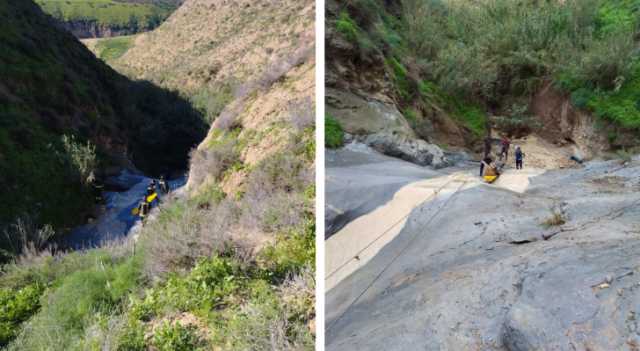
{"x":15,"y":308}
{"x":333,"y":133}
{"x":483,"y":52}
{"x":403,"y":84}
{"x":621,"y":106}
{"x":176,"y":337}
{"x":347,"y":27}
{"x":84,"y":288}
{"x":473,"y":118}
{"x":293,"y":250}
{"x":131,"y":337}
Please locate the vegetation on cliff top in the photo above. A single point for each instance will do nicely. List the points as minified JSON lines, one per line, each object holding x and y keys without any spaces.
{"x":489,"y":52}
{"x":133,"y":15}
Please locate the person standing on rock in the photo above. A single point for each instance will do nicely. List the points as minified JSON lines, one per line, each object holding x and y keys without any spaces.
{"x":519,"y":157}
{"x":487,"y":146}
{"x":505,"y":143}
{"x":164,"y":187}
{"x":143,"y":209}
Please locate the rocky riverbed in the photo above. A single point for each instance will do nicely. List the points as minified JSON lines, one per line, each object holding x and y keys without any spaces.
{"x":115,"y":219}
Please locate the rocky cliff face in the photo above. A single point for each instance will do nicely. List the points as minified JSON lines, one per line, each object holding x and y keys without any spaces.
{"x":361,"y":95}
{"x":84,"y":29}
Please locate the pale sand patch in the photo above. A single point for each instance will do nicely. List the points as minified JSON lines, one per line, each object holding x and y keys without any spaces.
{"x":368,"y":234}
{"x":517,"y":180}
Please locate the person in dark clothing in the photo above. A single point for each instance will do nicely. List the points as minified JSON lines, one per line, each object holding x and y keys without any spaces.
{"x":485,"y":161}
{"x":143,"y":209}
{"x":97,"y":189}
{"x":519,"y":157}
{"x":151,"y":189}
{"x":487,"y":147}
{"x":164,"y":187}
{"x":505,"y":143}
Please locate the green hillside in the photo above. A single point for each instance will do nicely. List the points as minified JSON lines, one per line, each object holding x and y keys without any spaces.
{"x":137,"y":15}
{"x":215,"y":266}
{"x":493,"y":53}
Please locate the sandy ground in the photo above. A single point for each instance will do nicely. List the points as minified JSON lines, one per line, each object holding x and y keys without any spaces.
{"x":542,"y":154}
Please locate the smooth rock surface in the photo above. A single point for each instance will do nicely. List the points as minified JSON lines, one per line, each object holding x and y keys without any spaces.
{"x":472,"y":270}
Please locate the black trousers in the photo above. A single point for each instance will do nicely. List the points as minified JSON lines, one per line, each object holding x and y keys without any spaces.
{"x":518,"y":164}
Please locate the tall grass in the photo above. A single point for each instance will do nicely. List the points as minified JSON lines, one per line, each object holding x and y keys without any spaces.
{"x":482,"y":52}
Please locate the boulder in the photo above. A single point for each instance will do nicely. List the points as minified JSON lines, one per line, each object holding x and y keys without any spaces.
{"x":380,"y":125}
{"x":361,"y":116}
{"x":406,"y":148}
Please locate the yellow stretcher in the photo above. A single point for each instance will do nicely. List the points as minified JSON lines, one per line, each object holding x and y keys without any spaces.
{"x":150,"y":199}
{"x":490,"y":178}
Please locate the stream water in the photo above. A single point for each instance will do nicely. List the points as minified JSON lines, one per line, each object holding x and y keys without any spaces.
{"x":117,"y":219}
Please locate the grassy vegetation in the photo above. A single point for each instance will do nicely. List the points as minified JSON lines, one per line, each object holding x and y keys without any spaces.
{"x":557,"y":218}
{"x":212,"y":101}
{"x":333,"y":133}
{"x":400,"y":77}
{"x":482,"y":54}
{"x":110,"y":49}
{"x":136,"y":15}
{"x":190,"y":284}
{"x":347,"y":27}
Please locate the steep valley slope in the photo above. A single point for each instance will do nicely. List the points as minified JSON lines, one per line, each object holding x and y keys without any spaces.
{"x":51,"y":86}
{"x":227,"y":262}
